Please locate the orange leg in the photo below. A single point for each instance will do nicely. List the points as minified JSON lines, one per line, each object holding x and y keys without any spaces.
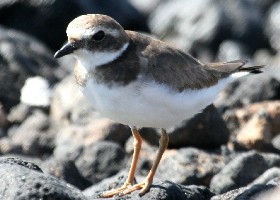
{"x":137,"y":143}
{"x":144,"y":186}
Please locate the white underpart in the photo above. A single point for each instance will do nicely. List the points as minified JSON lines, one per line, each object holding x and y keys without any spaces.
{"x":150,"y":104}
{"x":91,"y":31}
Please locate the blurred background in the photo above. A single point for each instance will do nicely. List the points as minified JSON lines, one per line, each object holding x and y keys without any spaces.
{"x":45,"y":119}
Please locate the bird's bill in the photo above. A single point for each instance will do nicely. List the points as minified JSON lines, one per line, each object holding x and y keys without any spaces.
{"x":65,"y":50}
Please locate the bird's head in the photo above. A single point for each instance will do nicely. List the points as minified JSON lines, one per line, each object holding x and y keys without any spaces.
{"x":94,"y":38}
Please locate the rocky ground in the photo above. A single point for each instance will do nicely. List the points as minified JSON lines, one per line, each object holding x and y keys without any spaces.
{"x":53,"y":145}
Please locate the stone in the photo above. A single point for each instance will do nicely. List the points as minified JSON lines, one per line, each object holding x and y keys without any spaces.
{"x":241,"y":20}
{"x":196,"y":25}
{"x":232,"y":50}
{"x":205,"y":130}
{"x":3,"y":118}
{"x":242,"y":170}
{"x":247,"y":90}
{"x":66,"y":170}
{"x":36,"y":92}
{"x":100,"y":160}
{"x":23,"y":180}
{"x":189,"y":166}
{"x":145,"y":7}
{"x":271,"y":194}
{"x":166,"y":190}
{"x":276,"y":142}
{"x":272,"y":26}
{"x":70,"y":141}
{"x":19,"y":113}
{"x":267,"y":176}
{"x":69,"y":106}
{"x":245,"y":193}
{"x":47,"y":20}
{"x":35,"y":135}
{"x":266,"y":57}
{"x":9,"y":146}
{"x":20,"y":57}
{"x":255,"y":134}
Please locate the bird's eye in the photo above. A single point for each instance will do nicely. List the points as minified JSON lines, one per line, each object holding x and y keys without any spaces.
{"x":98,"y":36}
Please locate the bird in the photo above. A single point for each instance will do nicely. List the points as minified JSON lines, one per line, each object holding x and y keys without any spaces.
{"x":140,"y":81}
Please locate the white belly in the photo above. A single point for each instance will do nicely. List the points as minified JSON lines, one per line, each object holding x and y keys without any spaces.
{"x":149,"y":105}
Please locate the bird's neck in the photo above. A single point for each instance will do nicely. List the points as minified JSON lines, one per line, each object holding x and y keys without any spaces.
{"x":89,"y":60}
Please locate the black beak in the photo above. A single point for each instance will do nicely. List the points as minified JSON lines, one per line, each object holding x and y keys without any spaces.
{"x":65,"y":50}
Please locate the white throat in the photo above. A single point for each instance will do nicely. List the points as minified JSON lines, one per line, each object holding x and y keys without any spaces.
{"x":89,"y":60}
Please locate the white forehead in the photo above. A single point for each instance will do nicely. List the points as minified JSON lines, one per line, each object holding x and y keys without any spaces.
{"x":84,"y":33}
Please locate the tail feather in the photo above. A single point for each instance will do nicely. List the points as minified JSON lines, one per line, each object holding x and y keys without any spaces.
{"x":252,"y":70}
{"x":236,"y":66}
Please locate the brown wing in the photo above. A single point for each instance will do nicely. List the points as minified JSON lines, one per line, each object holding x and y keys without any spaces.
{"x":168,"y":65}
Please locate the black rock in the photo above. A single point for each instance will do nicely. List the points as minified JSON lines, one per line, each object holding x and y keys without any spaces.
{"x":101,"y":160}
{"x":189,"y":166}
{"x":248,"y":90}
{"x":47,"y":20}
{"x":21,"y":182}
{"x":245,"y":193}
{"x":276,"y":142}
{"x":197,"y":24}
{"x":166,"y":190}
{"x":272,"y":26}
{"x":205,"y":130}
{"x":243,"y":21}
{"x":65,"y":170}
{"x":275,"y":182}
{"x":267,"y":176}
{"x":18,"y":161}
{"x":232,"y":50}
{"x":243,"y":170}
{"x":22,"y":56}
{"x":34,"y":135}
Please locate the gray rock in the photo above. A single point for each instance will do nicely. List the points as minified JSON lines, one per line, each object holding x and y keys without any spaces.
{"x":18,"y":161}
{"x":245,"y":193}
{"x":166,"y":190}
{"x":34,"y":135}
{"x":243,"y":170}
{"x":190,"y":166}
{"x":22,"y":180}
{"x":243,"y":21}
{"x":47,"y":20}
{"x":19,"y":113}
{"x":205,"y":130}
{"x":198,"y":23}
{"x":65,"y":170}
{"x":205,"y":24}
{"x":232,"y":50}
{"x":275,"y":182}
{"x":276,"y":142}
{"x":3,"y":118}
{"x":8,"y":146}
{"x":268,"y":175}
{"x":248,"y":90}
{"x":101,"y":160}
{"x":22,"y":56}
{"x":272,"y":26}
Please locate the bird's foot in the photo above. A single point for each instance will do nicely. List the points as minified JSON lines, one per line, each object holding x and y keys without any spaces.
{"x":127,"y":188}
